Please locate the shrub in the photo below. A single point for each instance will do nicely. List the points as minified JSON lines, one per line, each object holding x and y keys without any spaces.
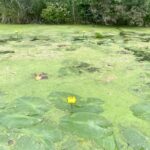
{"x":136,"y":16}
{"x":55,"y":13}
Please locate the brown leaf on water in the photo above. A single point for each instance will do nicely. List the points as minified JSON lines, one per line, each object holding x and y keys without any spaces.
{"x":40,"y":76}
{"x":11,"y":142}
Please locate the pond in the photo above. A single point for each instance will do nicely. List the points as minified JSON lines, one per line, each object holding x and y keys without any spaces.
{"x":107,"y":70}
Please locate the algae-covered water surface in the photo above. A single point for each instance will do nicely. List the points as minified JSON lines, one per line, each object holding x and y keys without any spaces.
{"x":106,"y":69}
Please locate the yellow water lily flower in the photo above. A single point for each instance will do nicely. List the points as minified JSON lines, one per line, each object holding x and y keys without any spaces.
{"x":72,"y":100}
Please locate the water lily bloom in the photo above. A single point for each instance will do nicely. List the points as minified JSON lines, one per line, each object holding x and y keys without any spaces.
{"x":72,"y":100}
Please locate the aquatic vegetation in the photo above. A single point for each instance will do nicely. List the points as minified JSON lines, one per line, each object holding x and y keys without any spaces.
{"x":108,"y":76}
{"x":142,"y":110}
{"x":6,"y":52}
{"x":141,"y":54}
{"x":77,"y":68}
{"x":135,"y":139}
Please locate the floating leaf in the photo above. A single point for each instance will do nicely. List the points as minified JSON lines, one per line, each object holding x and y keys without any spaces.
{"x":17,"y":121}
{"x":88,"y":125}
{"x":142,"y":110}
{"x":90,"y":105}
{"x":47,"y":131}
{"x":135,"y":139}
{"x":28,"y":142}
{"x":29,"y":106}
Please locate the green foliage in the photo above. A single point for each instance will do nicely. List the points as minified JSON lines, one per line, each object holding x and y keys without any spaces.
{"x":55,"y":13}
{"x":18,"y":11}
{"x":135,"y":139}
{"x":109,"y":12}
{"x":142,"y":110}
{"x":31,"y":120}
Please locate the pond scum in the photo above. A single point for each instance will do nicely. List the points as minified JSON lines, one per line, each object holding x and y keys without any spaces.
{"x":104,"y":72}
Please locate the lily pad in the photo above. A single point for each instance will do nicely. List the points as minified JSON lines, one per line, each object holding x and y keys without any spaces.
{"x":59,"y":99}
{"x":88,"y":125}
{"x":70,"y":145}
{"x":74,"y":143}
{"x":24,"y":112}
{"x":135,"y":139}
{"x":142,"y":110}
{"x":17,"y":120}
{"x":47,"y":131}
{"x":29,"y":106}
{"x":27,"y":142}
{"x":36,"y":137}
{"x":92,"y":105}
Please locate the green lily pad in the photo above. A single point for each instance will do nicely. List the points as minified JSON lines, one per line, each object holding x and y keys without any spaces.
{"x":70,"y":145}
{"x":17,"y":120}
{"x":47,"y":131}
{"x":24,"y":112}
{"x":88,"y":125}
{"x":75,"y":143}
{"x":59,"y":99}
{"x":29,"y":106}
{"x":28,"y":142}
{"x":24,"y":139}
{"x":142,"y":110}
{"x":135,"y":139}
{"x":108,"y":143}
{"x":90,"y":105}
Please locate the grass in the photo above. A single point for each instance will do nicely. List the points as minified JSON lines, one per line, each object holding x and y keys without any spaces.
{"x":104,"y":67}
